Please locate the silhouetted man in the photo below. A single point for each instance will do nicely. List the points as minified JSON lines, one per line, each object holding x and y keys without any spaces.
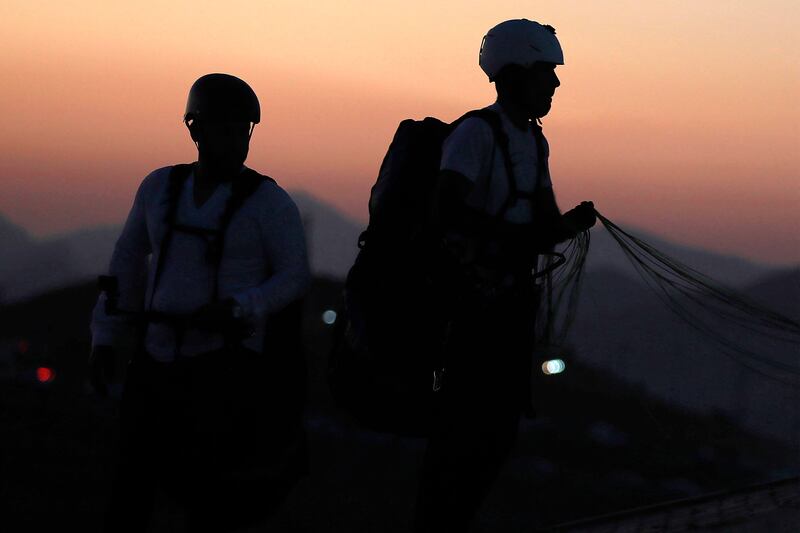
{"x":210,"y":264}
{"x":497,"y":214}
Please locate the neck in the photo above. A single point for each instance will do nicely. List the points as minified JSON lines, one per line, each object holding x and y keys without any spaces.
{"x":210,"y":172}
{"x":518,"y":115}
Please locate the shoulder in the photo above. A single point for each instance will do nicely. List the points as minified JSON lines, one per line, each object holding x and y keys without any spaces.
{"x":154,"y":182}
{"x":468,"y":149}
{"x":270,"y":198}
{"x":158,"y":175}
{"x":472,"y":130}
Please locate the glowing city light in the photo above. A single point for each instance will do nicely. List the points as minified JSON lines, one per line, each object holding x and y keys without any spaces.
{"x":554,"y":366}
{"x":329,"y":316}
{"x":45,"y":375}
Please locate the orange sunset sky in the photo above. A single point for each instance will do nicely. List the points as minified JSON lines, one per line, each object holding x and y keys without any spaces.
{"x":677,"y":117}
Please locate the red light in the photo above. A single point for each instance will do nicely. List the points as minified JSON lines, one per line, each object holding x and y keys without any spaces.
{"x":23,"y":346}
{"x":45,"y":375}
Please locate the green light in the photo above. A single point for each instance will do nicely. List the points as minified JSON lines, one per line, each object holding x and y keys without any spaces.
{"x":329,"y":317}
{"x":554,"y":366}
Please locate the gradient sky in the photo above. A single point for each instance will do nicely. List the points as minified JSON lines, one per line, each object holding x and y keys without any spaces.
{"x":679,"y":117}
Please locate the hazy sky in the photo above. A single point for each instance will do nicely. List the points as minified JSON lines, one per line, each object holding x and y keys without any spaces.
{"x":680,"y":117}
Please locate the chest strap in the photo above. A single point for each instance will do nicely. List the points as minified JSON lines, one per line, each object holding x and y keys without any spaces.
{"x":243,"y":186}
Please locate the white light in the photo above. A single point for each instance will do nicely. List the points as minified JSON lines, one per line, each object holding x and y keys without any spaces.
{"x":554,"y":366}
{"x":329,"y":316}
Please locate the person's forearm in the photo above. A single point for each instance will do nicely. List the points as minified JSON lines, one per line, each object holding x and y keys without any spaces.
{"x":129,"y":265}
{"x":276,"y":293}
{"x":449,"y":201}
{"x":551,"y":228}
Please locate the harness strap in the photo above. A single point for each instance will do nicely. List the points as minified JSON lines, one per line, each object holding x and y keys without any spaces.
{"x":204,"y":233}
{"x":243,"y":187}
{"x":492,"y":118}
{"x":541,"y":157}
{"x":178,"y":174}
{"x":514,"y":193}
{"x":502,"y":141}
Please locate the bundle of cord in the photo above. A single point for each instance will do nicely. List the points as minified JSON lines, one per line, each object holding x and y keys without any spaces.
{"x":561,"y":289}
{"x":700,"y":301}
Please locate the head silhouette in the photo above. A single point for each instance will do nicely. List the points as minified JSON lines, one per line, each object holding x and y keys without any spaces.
{"x":520,"y":56}
{"x":530,"y":89}
{"x":221,"y":112}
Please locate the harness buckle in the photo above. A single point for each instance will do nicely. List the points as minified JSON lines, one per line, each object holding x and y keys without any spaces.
{"x":438,"y":376}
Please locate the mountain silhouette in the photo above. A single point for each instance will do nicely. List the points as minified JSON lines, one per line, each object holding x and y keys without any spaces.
{"x":780,"y":291}
{"x":605,"y":254}
{"x":331,"y":236}
{"x":598,"y":444}
{"x":11,"y":234}
{"x":624,"y":328}
{"x":29,"y":266}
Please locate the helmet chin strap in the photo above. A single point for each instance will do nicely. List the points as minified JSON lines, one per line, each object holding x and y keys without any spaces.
{"x":189,"y":127}
{"x":519,"y":108}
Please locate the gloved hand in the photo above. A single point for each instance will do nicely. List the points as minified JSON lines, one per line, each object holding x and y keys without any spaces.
{"x":459,"y":249}
{"x":581,"y":218}
{"x":224,"y":316}
{"x":102,"y":368}
{"x":216,"y":315}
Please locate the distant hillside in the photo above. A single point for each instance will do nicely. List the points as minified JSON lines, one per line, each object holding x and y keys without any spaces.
{"x":11,"y":234}
{"x":29,"y":266}
{"x":605,"y":254}
{"x":623,"y":327}
{"x":780,"y":291}
{"x":90,"y":248}
{"x":332,"y":236}
{"x":597,"y":445}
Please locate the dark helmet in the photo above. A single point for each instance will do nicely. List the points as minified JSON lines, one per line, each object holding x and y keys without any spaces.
{"x":222,"y":96}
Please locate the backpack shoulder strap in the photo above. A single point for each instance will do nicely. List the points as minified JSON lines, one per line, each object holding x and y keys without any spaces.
{"x":178,"y":175}
{"x":242,"y":188}
{"x":541,"y":156}
{"x":492,"y":118}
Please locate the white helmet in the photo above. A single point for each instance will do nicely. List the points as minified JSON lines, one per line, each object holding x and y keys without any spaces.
{"x":518,"y":42}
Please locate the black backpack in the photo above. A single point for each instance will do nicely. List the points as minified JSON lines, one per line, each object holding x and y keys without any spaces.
{"x":386,"y":366}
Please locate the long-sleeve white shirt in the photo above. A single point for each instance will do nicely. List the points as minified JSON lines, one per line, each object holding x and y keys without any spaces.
{"x":472,"y":151}
{"x":264,"y":263}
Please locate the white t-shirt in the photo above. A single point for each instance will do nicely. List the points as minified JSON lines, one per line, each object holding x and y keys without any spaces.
{"x":264,"y":263}
{"x":471,"y":150}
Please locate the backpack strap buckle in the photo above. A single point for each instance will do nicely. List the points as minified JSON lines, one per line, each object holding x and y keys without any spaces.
{"x":438,"y":376}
